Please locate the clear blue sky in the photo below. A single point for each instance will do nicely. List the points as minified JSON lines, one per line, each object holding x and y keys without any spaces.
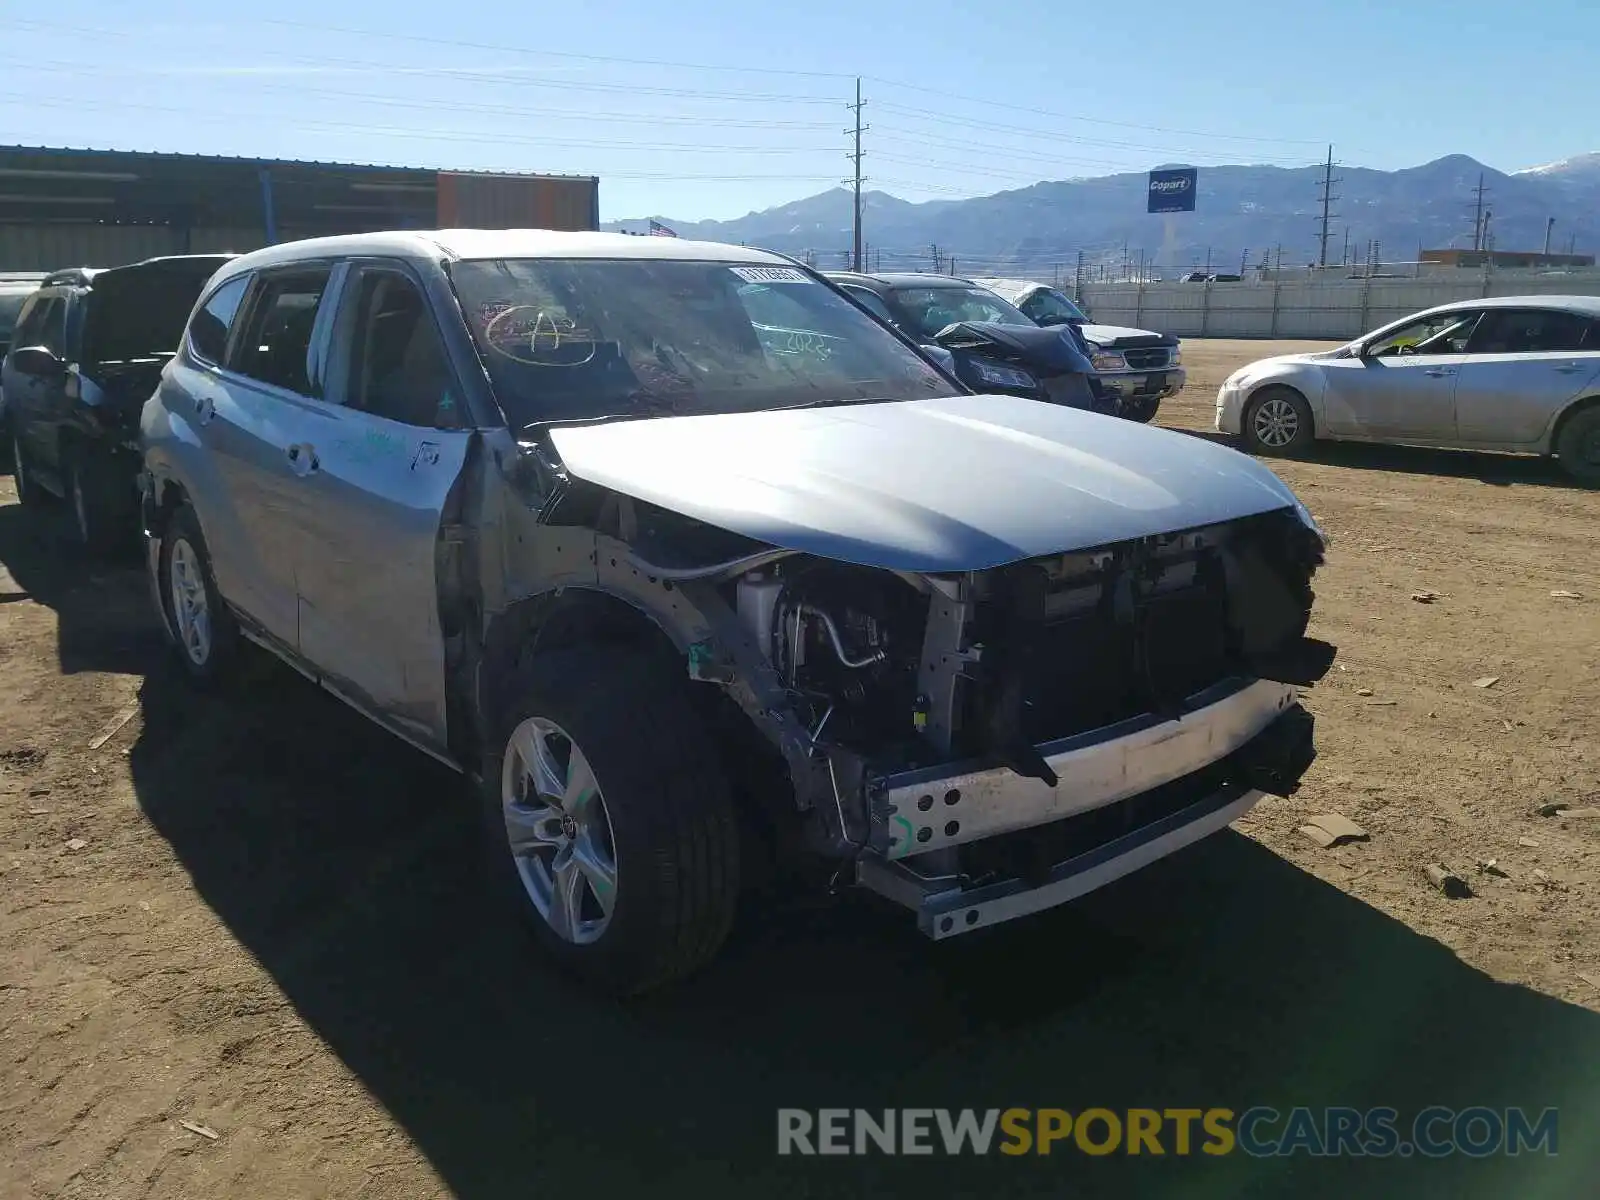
{"x":731,"y":107}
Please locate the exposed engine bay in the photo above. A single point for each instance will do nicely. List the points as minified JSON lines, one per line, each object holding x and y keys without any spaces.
{"x":903,"y":669}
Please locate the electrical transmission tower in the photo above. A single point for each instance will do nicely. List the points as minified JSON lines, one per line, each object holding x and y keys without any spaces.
{"x":1477,"y":214}
{"x":1327,"y":200}
{"x":855,"y":157}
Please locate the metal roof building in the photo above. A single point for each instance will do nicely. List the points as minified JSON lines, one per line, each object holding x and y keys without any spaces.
{"x":63,"y":207}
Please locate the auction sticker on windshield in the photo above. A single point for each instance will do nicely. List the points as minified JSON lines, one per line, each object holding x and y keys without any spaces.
{"x":771,"y":275}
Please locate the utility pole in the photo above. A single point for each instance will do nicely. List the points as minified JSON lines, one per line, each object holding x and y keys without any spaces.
{"x":1477,"y":214}
{"x":855,"y":157}
{"x":1344,"y":259}
{"x":933,"y":249}
{"x":1327,"y":199}
{"x":1279,"y":262}
{"x":1488,"y":240}
{"x":1244,"y":258}
{"x":1549,"y":228}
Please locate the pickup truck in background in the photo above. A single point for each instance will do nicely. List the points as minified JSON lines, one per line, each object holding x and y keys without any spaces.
{"x":1135,"y":368}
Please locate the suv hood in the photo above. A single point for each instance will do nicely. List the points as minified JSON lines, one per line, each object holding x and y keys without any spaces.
{"x":958,"y":484}
{"x":1116,"y":337}
{"x":1046,"y":351}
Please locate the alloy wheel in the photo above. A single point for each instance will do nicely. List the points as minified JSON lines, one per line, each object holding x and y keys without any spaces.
{"x":1276,"y":423}
{"x":191,"y":609}
{"x":559,"y":831}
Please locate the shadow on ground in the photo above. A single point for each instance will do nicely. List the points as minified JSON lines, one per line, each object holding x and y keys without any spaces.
{"x":347,"y":864}
{"x":1501,"y":470}
{"x":103,"y":605}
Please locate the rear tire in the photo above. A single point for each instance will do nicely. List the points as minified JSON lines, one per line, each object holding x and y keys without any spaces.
{"x":1277,"y":423}
{"x":1578,"y":446}
{"x":645,"y":814}
{"x":101,"y":504}
{"x":28,"y":494}
{"x":204,"y":632}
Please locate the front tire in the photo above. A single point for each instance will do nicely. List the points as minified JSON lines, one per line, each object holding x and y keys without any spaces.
{"x":1578,"y":446}
{"x":203,"y":629}
{"x":1142,"y":409}
{"x":1277,"y":423}
{"x":609,"y":820}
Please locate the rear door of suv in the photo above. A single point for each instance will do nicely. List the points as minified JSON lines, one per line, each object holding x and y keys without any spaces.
{"x":239,"y":407}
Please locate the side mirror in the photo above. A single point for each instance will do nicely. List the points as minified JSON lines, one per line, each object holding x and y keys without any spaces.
{"x":37,"y":360}
{"x":1050,"y":320}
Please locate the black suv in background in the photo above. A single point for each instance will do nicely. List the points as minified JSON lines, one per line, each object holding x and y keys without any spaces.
{"x":88,"y":349}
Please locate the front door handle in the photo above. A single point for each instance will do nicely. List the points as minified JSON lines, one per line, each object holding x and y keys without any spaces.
{"x":1439,"y":372}
{"x":204,"y":409}
{"x":303,"y":459}
{"x":1570,"y":368}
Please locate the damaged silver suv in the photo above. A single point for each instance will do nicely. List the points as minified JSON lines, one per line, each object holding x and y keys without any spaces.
{"x":693,"y":567}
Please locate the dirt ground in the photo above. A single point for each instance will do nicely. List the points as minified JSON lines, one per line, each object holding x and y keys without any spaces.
{"x":258,"y":915}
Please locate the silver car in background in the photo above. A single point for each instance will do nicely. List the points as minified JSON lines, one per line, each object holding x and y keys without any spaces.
{"x":693,"y":565}
{"x":1516,"y":374}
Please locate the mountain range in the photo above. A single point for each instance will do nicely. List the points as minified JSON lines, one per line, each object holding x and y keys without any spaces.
{"x":1239,"y":210}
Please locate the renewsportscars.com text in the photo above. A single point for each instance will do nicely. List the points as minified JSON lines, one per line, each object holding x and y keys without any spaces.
{"x":1433,"y":1132}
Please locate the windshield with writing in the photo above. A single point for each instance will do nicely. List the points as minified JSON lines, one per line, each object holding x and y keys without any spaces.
{"x":927,"y":310}
{"x":575,"y":339}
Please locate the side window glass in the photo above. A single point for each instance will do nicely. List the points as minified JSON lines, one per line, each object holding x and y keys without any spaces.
{"x":398,"y":366}
{"x":1445,"y":333}
{"x":208,"y":332}
{"x":277,"y":341}
{"x":1529,"y":331}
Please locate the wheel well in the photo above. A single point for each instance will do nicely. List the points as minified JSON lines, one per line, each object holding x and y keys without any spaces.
{"x":578,"y":616}
{"x":1572,"y":410}
{"x":572,"y":617}
{"x":1276,"y":386}
{"x":169,"y":497}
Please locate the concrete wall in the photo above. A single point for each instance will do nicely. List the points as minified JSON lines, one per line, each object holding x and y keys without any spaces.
{"x":1337,"y":309}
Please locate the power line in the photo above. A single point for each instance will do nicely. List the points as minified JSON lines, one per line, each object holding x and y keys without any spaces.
{"x":56,"y":66}
{"x":367,"y":33}
{"x":607,"y":58}
{"x":1040,"y":112}
{"x":32,"y":99}
{"x":1047,"y":135}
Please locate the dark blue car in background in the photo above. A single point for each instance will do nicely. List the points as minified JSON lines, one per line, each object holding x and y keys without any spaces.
{"x":991,"y":345}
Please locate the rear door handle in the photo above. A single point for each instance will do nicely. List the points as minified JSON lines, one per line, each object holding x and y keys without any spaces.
{"x":1570,"y":368}
{"x":303,"y":459}
{"x":204,"y":409}
{"x":1439,"y":372}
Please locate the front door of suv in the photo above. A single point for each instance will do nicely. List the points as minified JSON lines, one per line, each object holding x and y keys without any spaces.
{"x":389,"y":446}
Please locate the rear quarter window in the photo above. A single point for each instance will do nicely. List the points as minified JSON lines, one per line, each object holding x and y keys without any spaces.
{"x":208,"y":331}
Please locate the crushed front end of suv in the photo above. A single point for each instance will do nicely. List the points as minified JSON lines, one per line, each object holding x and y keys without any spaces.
{"x":701,"y":572}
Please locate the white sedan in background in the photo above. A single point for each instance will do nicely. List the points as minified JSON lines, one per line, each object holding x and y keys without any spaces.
{"x":1517,"y":374}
